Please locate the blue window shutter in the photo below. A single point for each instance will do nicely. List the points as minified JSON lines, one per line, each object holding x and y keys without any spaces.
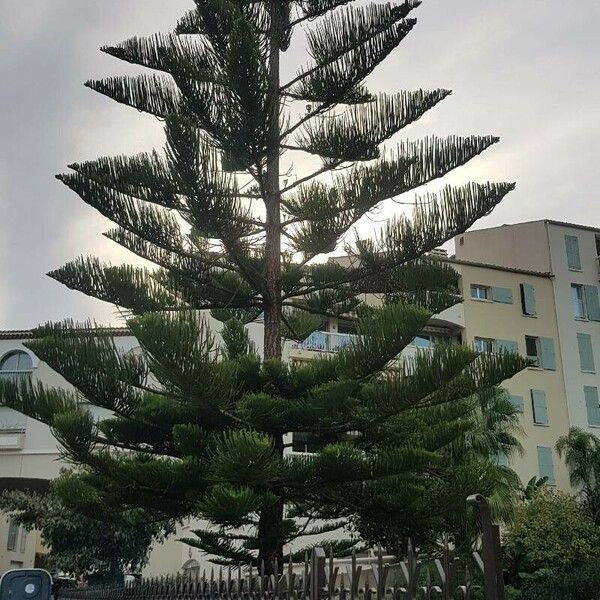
{"x":572,"y":248}
{"x":501,"y":459}
{"x":547,"y":352}
{"x":592,"y":405}
{"x":528,"y":299}
{"x":592,"y":302}
{"x":518,"y":403}
{"x":546,"y":463}
{"x":540,"y":410}
{"x":502,"y":295}
{"x":586,"y":354}
{"x":507,"y":346}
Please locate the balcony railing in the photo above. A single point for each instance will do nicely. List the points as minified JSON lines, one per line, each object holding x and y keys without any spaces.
{"x":324,"y":341}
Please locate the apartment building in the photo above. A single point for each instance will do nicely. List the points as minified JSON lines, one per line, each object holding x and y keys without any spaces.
{"x":530,"y":287}
{"x":569,"y":253}
{"x":503,"y":308}
{"x":513,"y":309}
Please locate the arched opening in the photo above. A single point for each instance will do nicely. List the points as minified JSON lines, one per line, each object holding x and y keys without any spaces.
{"x":191,"y":569}
{"x":16,"y":365}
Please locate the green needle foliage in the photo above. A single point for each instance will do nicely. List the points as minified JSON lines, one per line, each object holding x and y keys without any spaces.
{"x":198,"y":429}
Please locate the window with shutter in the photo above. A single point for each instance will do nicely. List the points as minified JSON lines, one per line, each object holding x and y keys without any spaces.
{"x":586,"y":354}
{"x":518,"y":403}
{"x":11,"y":540}
{"x":503,"y":295}
{"x":546,"y":463}
{"x":507,"y":346}
{"x":528,"y":299}
{"x":501,"y":459}
{"x":592,"y":406}
{"x":547,"y":353}
{"x":578,"y":301}
{"x":592,"y":302}
{"x":540,"y":409}
{"x":572,"y":249}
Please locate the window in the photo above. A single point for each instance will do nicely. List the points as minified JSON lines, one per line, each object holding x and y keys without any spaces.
{"x":518,"y":403}
{"x":484,"y":344}
{"x":503,"y":295}
{"x":586,"y":353}
{"x":528,"y":299}
{"x":540,"y":351}
{"x":585,"y":302}
{"x":23,"y":544}
{"x":532,"y":349}
{"x":539,"y":407}
{"x":422,"y":341}
{"x":347,"y":327}
{"x":480,"y":292}
{"x":546,"y":463}
{"x":501,"y":459}
{"x":494,"y":294}
{"x":572,"y":250}
{"x":305,"y":442}
{"x":16,"y":365}
{"x":13,"y":530}
{"x":592,"y":406}
{"x":578,"y":301}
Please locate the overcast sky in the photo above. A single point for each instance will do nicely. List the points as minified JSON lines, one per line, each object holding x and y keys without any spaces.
{"x":527,"y":71}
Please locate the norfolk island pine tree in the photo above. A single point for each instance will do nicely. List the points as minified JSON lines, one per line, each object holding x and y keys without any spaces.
{"x":198,"y":430}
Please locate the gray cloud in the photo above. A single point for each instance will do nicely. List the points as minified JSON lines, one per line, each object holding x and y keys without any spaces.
{"x":527,"y":71}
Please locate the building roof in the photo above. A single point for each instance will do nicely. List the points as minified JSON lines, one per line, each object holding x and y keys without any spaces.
{"x":471,"y":263}
{"x":573,"y":225}
{"x":549,"y":221}
{"x":27,"y":334}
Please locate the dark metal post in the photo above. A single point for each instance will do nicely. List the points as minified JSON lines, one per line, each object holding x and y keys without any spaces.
{"x":492,"y":552}
{"x":317,"y":573}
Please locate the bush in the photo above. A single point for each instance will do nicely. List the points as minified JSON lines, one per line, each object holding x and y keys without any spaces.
{"x":549,"y":533}
{"x":581,"y":583}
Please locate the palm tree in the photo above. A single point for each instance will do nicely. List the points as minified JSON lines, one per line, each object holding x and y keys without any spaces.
{"x":581,"y":451}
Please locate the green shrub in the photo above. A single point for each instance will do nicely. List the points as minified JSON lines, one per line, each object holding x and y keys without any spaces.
{"x":581,"y":583}
{"x":549,"y":533}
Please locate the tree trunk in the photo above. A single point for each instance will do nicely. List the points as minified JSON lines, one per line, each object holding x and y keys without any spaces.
{"x":271,"y":518}
{"x":270,"y":528}
{"x":272,"y":301}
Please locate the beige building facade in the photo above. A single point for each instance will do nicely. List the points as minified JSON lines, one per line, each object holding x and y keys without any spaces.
{"x":570,"y":253}
{"x":514,"y":309}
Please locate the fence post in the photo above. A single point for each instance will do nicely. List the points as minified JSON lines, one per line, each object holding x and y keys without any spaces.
{"x":492,"y":552}
{"x":317,"y":573}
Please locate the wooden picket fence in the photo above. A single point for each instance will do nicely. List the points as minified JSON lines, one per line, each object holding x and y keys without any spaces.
{"x":322,"y":577}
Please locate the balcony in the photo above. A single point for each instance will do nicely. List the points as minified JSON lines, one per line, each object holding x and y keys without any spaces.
{"x":324,"y":341}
